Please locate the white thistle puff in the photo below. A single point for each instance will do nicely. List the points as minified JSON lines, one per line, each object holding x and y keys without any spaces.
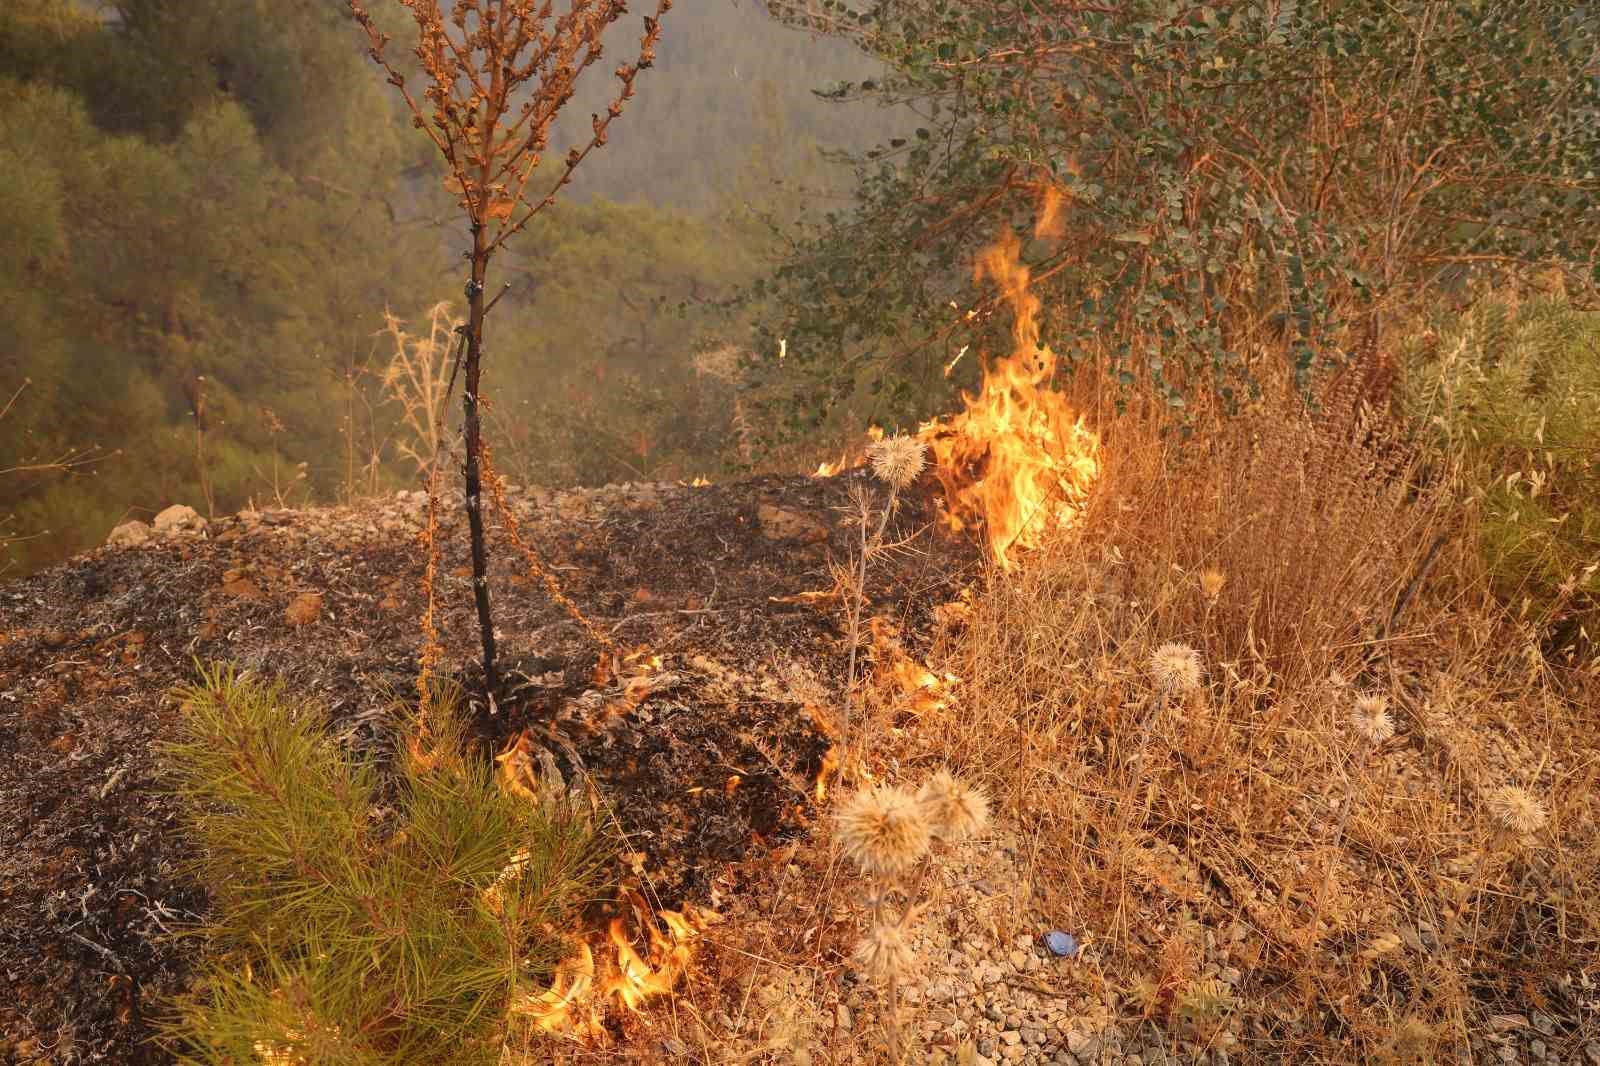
{"x":1176,"y":668}
{"x":898,"y":461}
{"x":1371,"y":720}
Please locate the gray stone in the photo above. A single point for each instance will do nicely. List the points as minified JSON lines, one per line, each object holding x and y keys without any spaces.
{"x":1082,"y":1044}
{"x":179,"y":519}
{"x":128,"y":535}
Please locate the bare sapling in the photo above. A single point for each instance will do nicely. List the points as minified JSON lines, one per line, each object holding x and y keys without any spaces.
{"x":497,"y":73}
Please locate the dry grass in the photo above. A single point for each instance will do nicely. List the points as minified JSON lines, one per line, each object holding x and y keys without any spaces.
{"x":1375,"y":906}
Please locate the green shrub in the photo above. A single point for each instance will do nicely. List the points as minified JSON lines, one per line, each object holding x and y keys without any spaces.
{"x":344,"y":933}
{"x":1512,"y":387}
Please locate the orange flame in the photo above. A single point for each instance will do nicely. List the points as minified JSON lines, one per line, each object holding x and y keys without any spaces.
{"x":1034,"y":458}
{"x":583,"y":989}
{"x":923,"y":690}
{"x":849,"y":458}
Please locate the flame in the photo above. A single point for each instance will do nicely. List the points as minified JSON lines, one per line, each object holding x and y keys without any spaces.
{"x":923,"y":690}
{"x":1018,"y":458}
{"x":849,"y":458}
{"x":583,"y":989}
{"x":830,"y":469}
{"x":826,"y":772}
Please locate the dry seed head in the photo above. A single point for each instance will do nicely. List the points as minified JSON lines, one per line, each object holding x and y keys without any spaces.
{"x":1514,"y":809}
{"x":885,"y":952}
{"x":954,"y":809}
{"x":897,"y":461}
{"x":1176,"y":668}
{"x":883,"y":830}
{"x":1211,"y":582}
{"x":1371,"y":720}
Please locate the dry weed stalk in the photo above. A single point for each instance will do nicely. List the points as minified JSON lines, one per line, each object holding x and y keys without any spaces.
{"x":417,"y":378}
{"x":497,"y":73}
{"x":897,"y":462}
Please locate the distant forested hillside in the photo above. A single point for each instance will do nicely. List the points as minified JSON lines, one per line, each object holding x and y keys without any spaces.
{"x":212,"y":203}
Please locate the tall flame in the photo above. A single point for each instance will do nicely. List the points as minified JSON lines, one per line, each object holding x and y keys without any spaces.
{"x":1017,"y":457}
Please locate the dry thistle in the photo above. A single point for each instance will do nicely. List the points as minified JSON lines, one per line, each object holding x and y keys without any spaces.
{"x":898,"y":461}
{"x":1515,"y":810}
{"x":1211,"y":582}
{"x":885,"y":951}
{"x":954,"y":809}
{"x":883,"y":830}
{"x":1371,"y":720}
{"x":1176,"y":668}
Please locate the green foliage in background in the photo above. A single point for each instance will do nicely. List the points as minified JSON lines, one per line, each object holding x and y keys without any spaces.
{"x":1241,"y":178}
{"x":195,"y":221}
{"x":337,"y":935}
{"x":1512,"y":386}
{"x":211,"y":204}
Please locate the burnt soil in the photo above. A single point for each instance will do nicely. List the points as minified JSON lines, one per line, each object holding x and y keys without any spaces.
{"x":710,"y":763}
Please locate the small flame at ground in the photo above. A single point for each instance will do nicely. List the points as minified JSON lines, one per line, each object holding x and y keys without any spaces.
{"x":584,"y":989}
{"x":1017,"y":458}
{"x":923,"y":690}
{"x":849,"y":458}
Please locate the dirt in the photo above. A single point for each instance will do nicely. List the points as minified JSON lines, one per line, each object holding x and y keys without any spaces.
{"x":708,"y":765}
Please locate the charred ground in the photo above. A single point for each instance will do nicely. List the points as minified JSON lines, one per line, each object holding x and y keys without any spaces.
{"x":711,"y":762}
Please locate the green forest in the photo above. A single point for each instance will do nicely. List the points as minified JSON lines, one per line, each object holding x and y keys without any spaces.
{"x":211,"y":207}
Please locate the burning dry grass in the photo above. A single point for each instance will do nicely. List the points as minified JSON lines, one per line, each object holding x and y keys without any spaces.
{"x":1386,"y":888}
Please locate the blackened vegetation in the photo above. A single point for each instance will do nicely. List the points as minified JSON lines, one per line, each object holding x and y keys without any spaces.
{"x":707,"y":763}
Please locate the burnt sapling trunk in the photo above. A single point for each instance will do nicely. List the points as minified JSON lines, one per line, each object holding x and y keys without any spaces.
{"x":497,"y":72}
{"x":473,"y":432}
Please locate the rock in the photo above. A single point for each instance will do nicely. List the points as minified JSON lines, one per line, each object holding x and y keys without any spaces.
{"x":303,"y":609}
{"x":1081,"y":1044}
{"x":779,"y":524}
{"x":1544,"y":1023}
{"x":842,"y":1017}
{"x":179,"y":519}
{"x":1011,"y":1036}
{"x":129,"y":535}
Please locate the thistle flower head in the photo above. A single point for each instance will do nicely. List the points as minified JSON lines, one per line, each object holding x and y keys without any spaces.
{"x":1211,"y":582}
{"x":1514,"y":809}
{"x":1370,"y":718}
{"x":885,"y":951}
{"x":897,"y":461}
{"x":883,"y":830}
{"x":1176,"y":668}
{"x":954,"y":809}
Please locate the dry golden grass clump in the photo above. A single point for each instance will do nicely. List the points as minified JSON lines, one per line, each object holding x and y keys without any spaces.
{"x":1306,"y":590}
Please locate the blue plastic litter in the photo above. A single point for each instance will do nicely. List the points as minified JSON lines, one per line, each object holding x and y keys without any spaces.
{"x":1062,"y":945}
